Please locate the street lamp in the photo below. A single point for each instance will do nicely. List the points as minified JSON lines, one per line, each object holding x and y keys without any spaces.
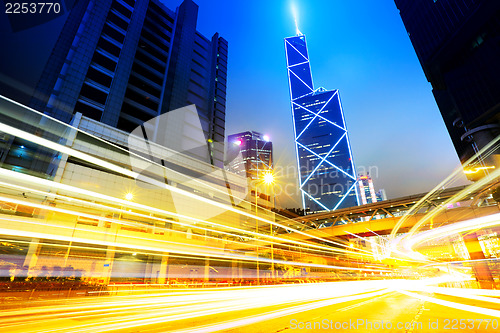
{"x":257,"y":231}
{"x":268,"y":179}
{"x":128,"y":196}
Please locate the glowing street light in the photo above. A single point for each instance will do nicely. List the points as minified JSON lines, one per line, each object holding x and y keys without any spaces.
{"x":268,"y":178}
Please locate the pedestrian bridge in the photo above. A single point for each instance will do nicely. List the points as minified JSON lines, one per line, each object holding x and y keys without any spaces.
{"x":380,"y":218}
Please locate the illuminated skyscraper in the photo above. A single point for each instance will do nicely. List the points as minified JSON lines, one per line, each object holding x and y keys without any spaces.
{"x":254,"y":163}
{"x":381,"y":195}
{"x":256,"y":152}
{"x":366,"y":190}
{"x":327,"y":176}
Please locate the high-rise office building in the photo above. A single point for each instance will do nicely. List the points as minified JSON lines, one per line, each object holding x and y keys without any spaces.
{"x":250,"y":155}
{"x":327,"y":177}
{"x":457,"y":43}
{"x":367,"y":190}
{"x":124,"y":62}
{"x":381,"y":195}
{"x":256,"y":154}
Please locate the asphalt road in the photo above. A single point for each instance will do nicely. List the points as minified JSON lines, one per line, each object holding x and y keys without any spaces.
{"x":357,"y":306}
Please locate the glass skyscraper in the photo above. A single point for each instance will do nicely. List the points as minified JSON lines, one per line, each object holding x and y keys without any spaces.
{"x":124,"y":62}
{"x":457,"y":43}
{"x":327,"y":176}
{"x":367,"y":190}
{"x":256,"y":152}
{"x":250,"y":154}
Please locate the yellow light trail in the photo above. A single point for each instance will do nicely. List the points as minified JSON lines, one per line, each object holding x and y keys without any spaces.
{"x":385,"y":248}
{"x":478,"y":223}
{"x":161,"y":245}
{"x":93,"y":195}
{"x":454,"y":305}
{"x":443,"y":184}
{"x":459,"y":196}
{"x":112,"y":167}
{"x":189,"y":307}
{"x":132,"y":312}
{"x":120,"y":222}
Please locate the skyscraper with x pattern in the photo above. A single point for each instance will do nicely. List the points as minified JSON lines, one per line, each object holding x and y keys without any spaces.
{"x":327,"y":177}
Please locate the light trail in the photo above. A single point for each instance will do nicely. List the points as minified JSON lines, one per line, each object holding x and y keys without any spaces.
{"x":459,"y":227}
{"x":443,"y":184}
{"x":120,"y":222}
{"x":462,"y":293}
{"x":126,"y":172}
{"x":93,"y":195}
{"x":283,"y":242}
{"x":454,"y":305}
{"x":385,"y":248}
{"x":161,"y":245}
{"x":412,"y":239}
{"x":459,"y":196}
{"x":128,"y":212}
{"x":142,"y":310}
{"x":187,"y":310}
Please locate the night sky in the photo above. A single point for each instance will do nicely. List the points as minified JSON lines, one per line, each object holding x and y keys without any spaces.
{"x":358,"y":47}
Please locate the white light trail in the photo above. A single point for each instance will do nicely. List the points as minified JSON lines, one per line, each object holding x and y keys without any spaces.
{"x":104,"y":164}
{"x":92,"y":195}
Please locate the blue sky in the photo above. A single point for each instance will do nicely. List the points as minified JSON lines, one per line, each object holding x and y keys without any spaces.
{"x":358,"y":47}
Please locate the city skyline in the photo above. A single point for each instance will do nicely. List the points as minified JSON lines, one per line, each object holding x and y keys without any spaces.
{"x":370,"y":60}
{"x":385,"y":94}
{"x":130,"y":203}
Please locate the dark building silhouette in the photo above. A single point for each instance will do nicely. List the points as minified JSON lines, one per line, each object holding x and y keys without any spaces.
{"x":124,"y":62}
{"x":458,"y":45}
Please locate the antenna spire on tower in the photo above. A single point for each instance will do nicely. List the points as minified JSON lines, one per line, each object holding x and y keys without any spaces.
{"x":294,"y":12}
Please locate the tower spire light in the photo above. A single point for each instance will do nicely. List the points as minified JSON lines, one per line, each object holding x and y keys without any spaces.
{"x":320,"y":144}
{"x":294,"y":12}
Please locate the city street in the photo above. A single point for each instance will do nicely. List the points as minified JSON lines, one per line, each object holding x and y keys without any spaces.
{"x":358,"y":306}
{"x":172,"y":166}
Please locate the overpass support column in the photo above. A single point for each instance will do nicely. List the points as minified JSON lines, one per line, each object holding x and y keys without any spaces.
{"x":206,"y":275}
{"x":149,"y":271}
{"x":162,"y":275}
{"x":111,"y":235}
{"x":32,"y":256}
{"x":234,"y":270}
{"x":108,"y":265}
{"x":481,"y":268}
